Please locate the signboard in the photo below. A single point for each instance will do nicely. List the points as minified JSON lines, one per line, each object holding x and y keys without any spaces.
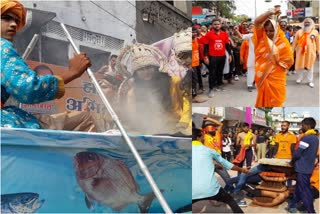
{"x":93,"y":38}
{"x":248,"y":116}
{"x":289,"y":14}
{"x":78,"y":92}
{"x":308,"y":11}
{"x":298,"y":13}
{"x":196,"y":10}
{"x":234,"y":114}
{"x":258,"y":117}
{"x":204,"y":19}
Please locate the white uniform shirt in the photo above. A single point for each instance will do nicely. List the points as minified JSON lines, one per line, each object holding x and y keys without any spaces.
{"x":226,"y":143}
{"x":251,"y":55}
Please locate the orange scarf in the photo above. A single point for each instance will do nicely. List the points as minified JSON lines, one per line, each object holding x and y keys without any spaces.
{"x":241,"y":156}
{"x":303,"y":41}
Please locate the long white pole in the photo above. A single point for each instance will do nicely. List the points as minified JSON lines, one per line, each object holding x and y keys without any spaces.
{"x":27,"y":52}
{"x":115,"y":118}
{"x":30,"y":46}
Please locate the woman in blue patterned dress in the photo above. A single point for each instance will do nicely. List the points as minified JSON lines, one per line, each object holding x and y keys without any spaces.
{"x":19,"y":81}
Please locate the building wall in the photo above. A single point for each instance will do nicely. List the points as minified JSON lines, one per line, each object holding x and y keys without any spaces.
{"x":165,"y":20}
{"x":184,"y":6}
{"x":96,"y":20}
{"x":293,"y":118}
{"x":100,"y":29}
{"x":315,"y":8}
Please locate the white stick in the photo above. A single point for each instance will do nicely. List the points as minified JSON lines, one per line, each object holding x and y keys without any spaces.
{"x":115,"y":118}
{"x":27,"y":52}
{"x":30,"y":46}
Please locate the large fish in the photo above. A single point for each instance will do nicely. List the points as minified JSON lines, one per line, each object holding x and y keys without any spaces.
{"x":108,"y":181}
{"x":20,"y":203}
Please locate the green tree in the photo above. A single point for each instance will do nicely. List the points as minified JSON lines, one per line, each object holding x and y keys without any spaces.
{"x":267,"y":116}
{"x":222,"y":8}
{"x":239,"y":18}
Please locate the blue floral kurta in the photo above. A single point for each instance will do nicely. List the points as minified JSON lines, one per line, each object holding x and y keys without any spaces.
{"x":19,"y":81}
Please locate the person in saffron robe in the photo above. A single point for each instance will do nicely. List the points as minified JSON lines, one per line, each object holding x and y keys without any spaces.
{"x":273,"y":56}
{"x":306,"y":45}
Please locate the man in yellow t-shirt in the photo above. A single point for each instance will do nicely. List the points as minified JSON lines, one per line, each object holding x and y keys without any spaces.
{"x":285,"y":139}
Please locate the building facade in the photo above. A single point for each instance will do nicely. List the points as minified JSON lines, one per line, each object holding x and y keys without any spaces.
{"x":99,"y":28}
{"x":293,"y":117}
{"x":231,"y":117}
{"x":157,"y":20}
{"x":296,"y":15}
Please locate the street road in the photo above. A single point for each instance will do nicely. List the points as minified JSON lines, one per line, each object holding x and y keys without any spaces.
{"x":238,"y":95}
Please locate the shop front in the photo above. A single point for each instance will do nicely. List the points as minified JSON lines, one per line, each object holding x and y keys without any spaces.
{"x":233,"y":117}
{"x":258,"y":119}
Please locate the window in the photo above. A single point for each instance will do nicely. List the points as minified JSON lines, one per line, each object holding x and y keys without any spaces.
{"x":54,"y":51}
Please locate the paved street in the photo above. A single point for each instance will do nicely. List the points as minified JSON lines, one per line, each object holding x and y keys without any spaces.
{"x":238,"y":95}
{"x":207,"y":207}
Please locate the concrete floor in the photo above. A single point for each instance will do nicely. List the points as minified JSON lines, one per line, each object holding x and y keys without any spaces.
{"x":236,"y":94}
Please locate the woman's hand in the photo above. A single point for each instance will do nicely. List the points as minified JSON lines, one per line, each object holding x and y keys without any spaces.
{"x":275,"y":11}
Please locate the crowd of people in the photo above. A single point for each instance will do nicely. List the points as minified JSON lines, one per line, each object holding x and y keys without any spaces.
{"x":264,"y":52}
{"x":230,"y":150}
{"x":135,"y":82}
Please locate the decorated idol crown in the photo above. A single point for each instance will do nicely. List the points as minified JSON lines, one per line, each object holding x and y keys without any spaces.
{"x":182,"y":41}
{"x":137,"y":56}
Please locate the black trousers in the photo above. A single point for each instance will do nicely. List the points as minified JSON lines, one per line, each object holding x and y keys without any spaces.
{"x":224,"y":197}
{"x":292,"y":68}
{"x":216,"y":71}
{"x":198,"y":68}
{"x":238,"y":66}
{"x":226,"y":155}
{"x":194,"y":81}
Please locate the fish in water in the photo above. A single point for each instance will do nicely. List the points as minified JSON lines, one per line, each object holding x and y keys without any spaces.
{"x":108,"y":181}
{"x":20,"y":202}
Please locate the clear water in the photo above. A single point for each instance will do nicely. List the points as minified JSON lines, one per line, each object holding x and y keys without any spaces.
{"x":41,"y":161}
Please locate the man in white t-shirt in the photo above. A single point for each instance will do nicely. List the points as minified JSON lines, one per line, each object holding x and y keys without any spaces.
{"x":226,"y":146}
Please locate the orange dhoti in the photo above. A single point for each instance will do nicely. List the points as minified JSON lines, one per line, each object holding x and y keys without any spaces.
{"x":271,"y":66}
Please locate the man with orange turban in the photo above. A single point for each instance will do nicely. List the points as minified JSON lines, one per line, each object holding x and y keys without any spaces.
{"x":18,"y":80}
{"x":306,"y":45}
{"x":273,"y":56}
